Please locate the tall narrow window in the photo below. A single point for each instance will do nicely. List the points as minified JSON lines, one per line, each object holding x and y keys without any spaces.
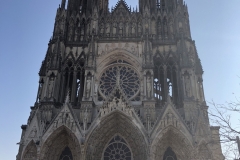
{"x":169,"y":154}
{"x":117,"y":149}
{"x":66,"y":154}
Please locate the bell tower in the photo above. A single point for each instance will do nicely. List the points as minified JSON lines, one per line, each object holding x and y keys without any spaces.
{"x":120,"y":84}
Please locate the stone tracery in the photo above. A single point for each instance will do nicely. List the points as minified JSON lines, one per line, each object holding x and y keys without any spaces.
{"x":116,"y":123}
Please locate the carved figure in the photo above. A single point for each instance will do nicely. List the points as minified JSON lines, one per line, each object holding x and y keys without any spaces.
{"x":50,"y":86}
{"x":188,"y":86}
{"x":107,"y":29}
{"x":106,"y":48}
{"x":127,"y":28}
{"x":33,"y":133}
{"x":101,"y":111}
{"x":121,"y":29}
{"x":114,"y":28}
{"x":88,"y":87}
{"x":101,"y":28}
{"x":149,"y":86}
{"x":76,"y":34}
{"x":133,"y":28}
{"x":139,"y":28}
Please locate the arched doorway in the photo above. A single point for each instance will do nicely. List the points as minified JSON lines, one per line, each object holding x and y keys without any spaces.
{"x":62,"y":144}
{"x":104,"y":136}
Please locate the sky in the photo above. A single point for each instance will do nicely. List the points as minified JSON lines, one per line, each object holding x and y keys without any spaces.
{"x":26,"y":27}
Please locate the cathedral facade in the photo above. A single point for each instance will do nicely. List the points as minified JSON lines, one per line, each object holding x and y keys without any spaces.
{"x":120,"y":84}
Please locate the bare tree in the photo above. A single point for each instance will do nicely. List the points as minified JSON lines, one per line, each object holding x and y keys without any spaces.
{"x":227,"y":116}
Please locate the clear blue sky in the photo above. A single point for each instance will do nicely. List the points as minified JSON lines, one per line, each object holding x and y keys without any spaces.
{"x":27,"y":25}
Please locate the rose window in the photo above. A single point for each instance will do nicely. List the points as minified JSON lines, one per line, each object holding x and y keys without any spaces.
{"x":117,"y":149}
{"x":123,"y":76}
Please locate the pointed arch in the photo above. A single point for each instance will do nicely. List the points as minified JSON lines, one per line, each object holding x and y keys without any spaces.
{"x":169,"y":154}
{"x":110,"y":125}
{"x":172,"y":137}
{"x":166,"y":78}
{"x":30,"y":152}
{"x":57,"y":142}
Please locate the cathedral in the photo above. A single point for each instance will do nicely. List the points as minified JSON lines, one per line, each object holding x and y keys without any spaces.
{"x":120,"y":83}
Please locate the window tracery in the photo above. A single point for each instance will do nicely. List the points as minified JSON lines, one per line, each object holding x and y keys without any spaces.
{"x":117,"y":149}
{"x":66,"y":154}
{"x":165,"y":80}
{"x":122,"y":75}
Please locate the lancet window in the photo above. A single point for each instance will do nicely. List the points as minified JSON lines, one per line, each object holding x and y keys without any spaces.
{"x":117,"y":149}
{"x":73,"y":81}
{"x":165,"y":81}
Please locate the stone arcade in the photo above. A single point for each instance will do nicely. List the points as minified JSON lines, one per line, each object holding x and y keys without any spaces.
{"x":120,"y":84}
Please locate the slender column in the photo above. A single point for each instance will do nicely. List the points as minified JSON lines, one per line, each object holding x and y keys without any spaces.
{"x":63,"y":86}
{"x":159,"y":85}
{"x":165,"y":83}
{"x":152,"y":93}
{"x":81,"y":87}
{"x":84,"y":88}
{"x":172,"y":81}
{"x":145,"y":86}
{"x":74,"y":86}
{"x":46,"y":87}
{"x":91,"y":89}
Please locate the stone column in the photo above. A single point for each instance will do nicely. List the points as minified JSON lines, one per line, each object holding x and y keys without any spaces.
{"x":152,"y":94}
{"x":145,"y":86}
{"x":74,"y":87}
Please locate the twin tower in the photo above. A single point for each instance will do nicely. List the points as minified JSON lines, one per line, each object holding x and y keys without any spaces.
{"x":120,"y":84}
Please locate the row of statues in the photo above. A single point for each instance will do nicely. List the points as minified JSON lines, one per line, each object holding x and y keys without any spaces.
{"x":117,"y":103}
{"x":65,"y":119}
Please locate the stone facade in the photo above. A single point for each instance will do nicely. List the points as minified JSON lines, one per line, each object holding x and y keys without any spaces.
{"x":120,"y":84}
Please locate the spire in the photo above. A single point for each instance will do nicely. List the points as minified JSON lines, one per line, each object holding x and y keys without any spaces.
{"x":63,"y":4}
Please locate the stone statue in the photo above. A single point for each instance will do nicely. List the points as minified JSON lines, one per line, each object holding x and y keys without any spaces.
{"x":33,"y":133}
{"x":76,"y":34}
{"x":88,"y":86}
{"x":121,"y":29}
{"x":101,"y":111}
{"x":127,"y":28}
{"x":188,"y":86}
{"x":107,"y":29}
{"x":50,"y":87}
{"x":149,"y":86}
{"x":101,"y":28}
{"x":114,"y":28}
{"x":139,"y":28}
{"x":133,"y":28}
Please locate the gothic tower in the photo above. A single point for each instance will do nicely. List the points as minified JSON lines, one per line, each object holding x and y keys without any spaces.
{"x":120,"y":84}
